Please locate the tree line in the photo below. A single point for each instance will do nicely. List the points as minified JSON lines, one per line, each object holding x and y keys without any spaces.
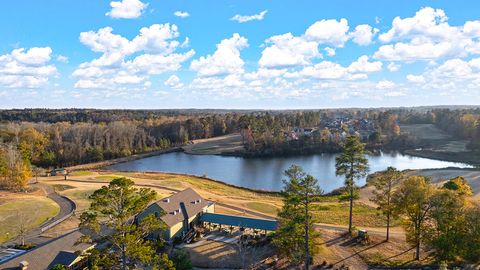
{"x":64,"y":144}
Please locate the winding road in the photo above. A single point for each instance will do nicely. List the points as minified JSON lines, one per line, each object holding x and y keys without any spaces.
{"x":67,"y":208}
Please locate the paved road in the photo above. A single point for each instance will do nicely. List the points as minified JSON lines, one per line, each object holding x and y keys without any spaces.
{"x":35,"y":236}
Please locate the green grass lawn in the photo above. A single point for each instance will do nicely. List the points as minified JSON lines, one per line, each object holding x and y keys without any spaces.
{"x":81,"y":173}
{"x":263,"y":208}
{"x":32,"y":211}
{"x":61,"y":187}
{"x":80,"y":197}
{"x":106,"y":177}
{"x":337,"y":213}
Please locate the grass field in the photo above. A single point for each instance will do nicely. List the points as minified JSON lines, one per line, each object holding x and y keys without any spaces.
{"x":217,"y":145}
{"x":81,"y":173}
{"x":327,"y":210}
{"x":337,"y":213}
{"x":106,"y":177}
{"x":29,"y":210}
{"x":425,"y":132}
{"x":263,"y":208}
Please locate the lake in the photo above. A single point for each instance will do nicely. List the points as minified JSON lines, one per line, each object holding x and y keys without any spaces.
{"x":267,"y":173}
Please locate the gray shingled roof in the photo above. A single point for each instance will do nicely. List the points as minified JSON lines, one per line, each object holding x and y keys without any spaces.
{"x":193,"y":202}
{"x":59,"y":250}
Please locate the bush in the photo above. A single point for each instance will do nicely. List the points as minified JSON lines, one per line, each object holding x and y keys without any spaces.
{"x":181,"y":260}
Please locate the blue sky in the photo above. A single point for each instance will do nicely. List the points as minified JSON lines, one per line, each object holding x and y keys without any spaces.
{"x":238,"y":54}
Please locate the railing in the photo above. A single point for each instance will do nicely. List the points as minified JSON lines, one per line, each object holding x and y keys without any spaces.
{"x":60,"y":220}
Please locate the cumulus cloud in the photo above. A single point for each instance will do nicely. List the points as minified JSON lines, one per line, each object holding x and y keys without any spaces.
{"x":330,"y":51}
{"x":173,"y":82}
{"x":287,"y":50}
{"x":62,"y":58}
{"x":330,"y":32}
{"x":26,"y":68}
{"x":127,"y":62}
{"x":428,"y":36}
{"x":181,"y":14}
{"x":415,"y":78}
{"x":246,"y":18}
{"x":328,"y":70}
{"x":363,"y":65}
{"x":385,"y":84}
{"x":392,"y":66}
{"x":225,"y":60}
{"x":126,"y":9}
{"x":363,"y":34}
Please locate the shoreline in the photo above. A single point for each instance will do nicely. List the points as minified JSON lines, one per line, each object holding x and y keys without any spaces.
{"x":106,"y":163}
{"x":457,"y":157}
{"x":262,"y":191}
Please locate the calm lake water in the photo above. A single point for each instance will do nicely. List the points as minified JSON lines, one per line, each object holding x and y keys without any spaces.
{"x":267,"y":173}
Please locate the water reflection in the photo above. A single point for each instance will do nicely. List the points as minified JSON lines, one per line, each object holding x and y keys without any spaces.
{"x":267,"y":173}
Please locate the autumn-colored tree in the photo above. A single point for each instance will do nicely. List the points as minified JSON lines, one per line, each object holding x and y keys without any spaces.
{"x":413,"y":202}
{"x":32,"y":144}
{"x":460,"y":185}
{"x":384,"y":184}
{"x":14,"y":170}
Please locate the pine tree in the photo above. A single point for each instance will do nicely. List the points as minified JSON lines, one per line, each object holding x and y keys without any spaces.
{"x":110,"y":219}
{"x":353,"y":164}
{"x":296,"y":236}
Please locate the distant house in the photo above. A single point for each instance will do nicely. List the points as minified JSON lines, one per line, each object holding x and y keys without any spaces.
{"x":60,"y":171}
{"x":180,"y":212}
{"x":62,"y":250}
{"x":304,"y":131}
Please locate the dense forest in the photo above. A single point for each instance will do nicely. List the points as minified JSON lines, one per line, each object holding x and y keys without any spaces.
{"x":57,"y":138}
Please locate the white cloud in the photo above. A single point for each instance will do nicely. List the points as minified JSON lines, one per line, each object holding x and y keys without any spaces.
{"x":330,"y":32}
{"x":427,"y":22}
{"x":363,"y":65}
{"x":225,"y":60}
{"x":287,"y":50}
{"x":363,"y":34}
{"x":385,"y":84}
{"x":392,"y":66}
{"x":428,"y":36}
{"x":130,"y":62}
{"x":62,"y":58}
{"x":26,"y":68}
{"x":246,"y":18}
{"x":181,"y":14}
{"x":327,"y":70}
{"x":173,"y":82}
{"x":34,"y":56}
{"x":413,"y":51}
{"x":394,"y":94}
{"x":415,"y":78}
{"x":126,"y":9}
{"x":330,"y":51}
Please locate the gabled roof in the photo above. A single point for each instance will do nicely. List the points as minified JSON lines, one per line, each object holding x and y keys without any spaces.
{"x":192,"y":201}
{"x":43,"y":256}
